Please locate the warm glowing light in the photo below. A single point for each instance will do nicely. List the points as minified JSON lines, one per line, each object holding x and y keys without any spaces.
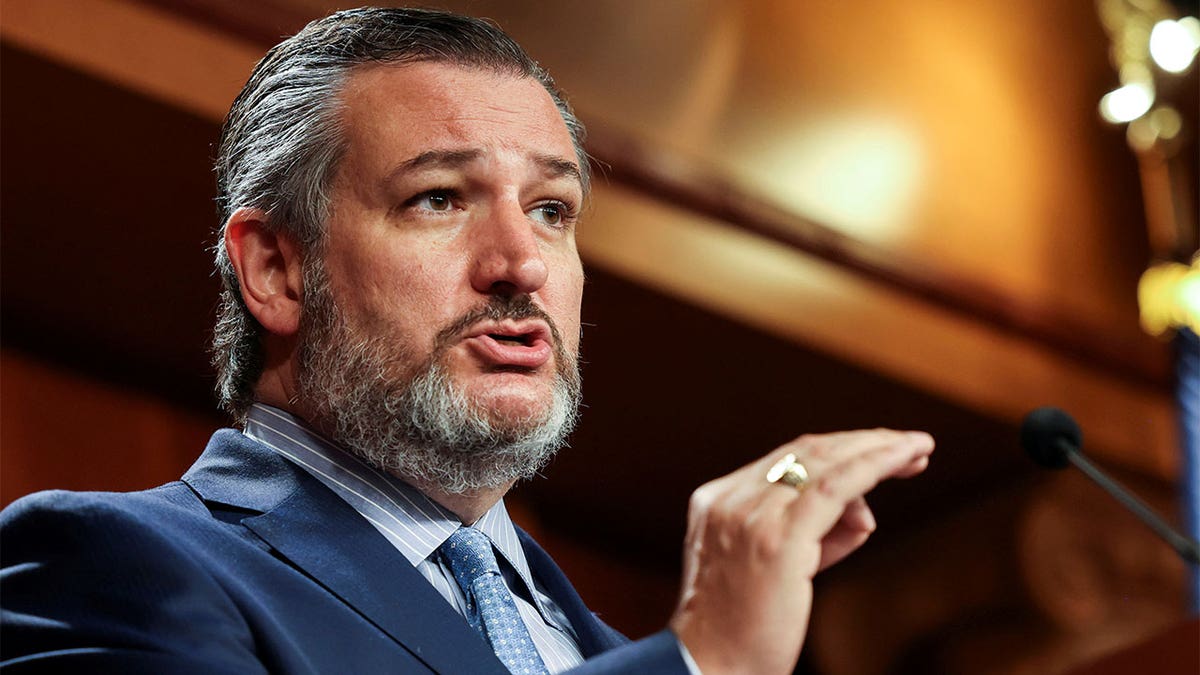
{"x":1127,"y":103}
{"x":1189,"y":296}
{"x":1169,"y":297}
{"x":1162,"y":124}
{"x":860,"y":173}
{"x":1173,"y":44}
{"x":1167,"y":122}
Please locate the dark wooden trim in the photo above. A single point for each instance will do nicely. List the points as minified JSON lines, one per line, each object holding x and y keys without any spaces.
{"x":623,"y":161}
{"x":263,"y":22}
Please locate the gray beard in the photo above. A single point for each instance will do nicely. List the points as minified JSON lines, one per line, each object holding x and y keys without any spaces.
{"x":411,"y":421}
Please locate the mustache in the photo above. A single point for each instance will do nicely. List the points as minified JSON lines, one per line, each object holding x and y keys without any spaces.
{"x":499,"y":308}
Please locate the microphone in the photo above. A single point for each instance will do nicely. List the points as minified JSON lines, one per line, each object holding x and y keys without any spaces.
{"x":1053,"y":439}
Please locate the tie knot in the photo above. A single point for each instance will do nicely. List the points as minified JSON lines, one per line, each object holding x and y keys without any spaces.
{"x":469,"y":553}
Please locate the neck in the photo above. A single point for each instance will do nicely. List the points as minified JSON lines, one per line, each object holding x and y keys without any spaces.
{"x":469,"y":507}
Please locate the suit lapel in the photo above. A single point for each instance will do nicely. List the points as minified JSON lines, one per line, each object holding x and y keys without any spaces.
{"x":594,"y":635}
{"x":323,"y":536}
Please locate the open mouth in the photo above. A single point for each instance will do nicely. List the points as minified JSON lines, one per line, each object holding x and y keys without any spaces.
{"x":520,"y":340}
{"x":520,"y":345}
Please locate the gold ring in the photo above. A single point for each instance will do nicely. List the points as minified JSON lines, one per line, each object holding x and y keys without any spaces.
{"x":790,"y":471}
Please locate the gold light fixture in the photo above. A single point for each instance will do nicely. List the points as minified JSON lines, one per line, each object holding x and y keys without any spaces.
{"x":1169,"y":297}
{"x":1151,"y":48}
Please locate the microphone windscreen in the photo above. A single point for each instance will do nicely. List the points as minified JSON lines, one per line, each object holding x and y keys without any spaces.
{"x":1042,"y":434}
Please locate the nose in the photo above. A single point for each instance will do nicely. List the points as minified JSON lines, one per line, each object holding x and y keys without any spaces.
{"x":507,"y":254}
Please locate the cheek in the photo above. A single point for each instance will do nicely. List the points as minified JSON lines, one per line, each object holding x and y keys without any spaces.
{"x":388,"y":289}
{"x":418,"y":297}
{"x":570,"y":304}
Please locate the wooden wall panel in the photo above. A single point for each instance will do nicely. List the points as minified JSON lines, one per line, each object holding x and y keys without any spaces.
{"x":61,"y":430}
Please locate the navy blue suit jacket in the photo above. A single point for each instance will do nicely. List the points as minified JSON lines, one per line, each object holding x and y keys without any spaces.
{"x":247,"y":564}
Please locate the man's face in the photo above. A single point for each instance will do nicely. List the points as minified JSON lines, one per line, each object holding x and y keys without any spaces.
{"x":458,"y":191}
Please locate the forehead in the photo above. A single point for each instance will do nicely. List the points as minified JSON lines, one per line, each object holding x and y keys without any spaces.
{"x":397,"y":111}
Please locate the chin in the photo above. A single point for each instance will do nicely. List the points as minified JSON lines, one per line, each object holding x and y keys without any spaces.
{"x":513,"y":403}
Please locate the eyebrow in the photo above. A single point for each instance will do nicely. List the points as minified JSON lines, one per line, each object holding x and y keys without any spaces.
{"x":557,"y":167}
{"x":553,"y":165}
{"x":438,"y":159}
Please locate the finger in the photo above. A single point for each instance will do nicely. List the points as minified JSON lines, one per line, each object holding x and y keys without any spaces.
{"x":753,"y":501}
{"x":857,"y":517}
{"x":913,"y":468}
{"x":816,"y":451}
{"x":827,"y":495}
{"x":819,"y":451}
{"x":848,"y":534}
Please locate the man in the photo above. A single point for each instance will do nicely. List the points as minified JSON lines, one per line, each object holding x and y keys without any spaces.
{"x":399,"y":340}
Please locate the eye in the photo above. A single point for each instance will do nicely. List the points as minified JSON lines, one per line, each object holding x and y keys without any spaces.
{"x":553,"y":213}
{"x":433,"y":200}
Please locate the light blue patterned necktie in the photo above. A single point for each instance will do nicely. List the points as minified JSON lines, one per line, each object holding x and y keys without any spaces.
{"x":490,"y":607}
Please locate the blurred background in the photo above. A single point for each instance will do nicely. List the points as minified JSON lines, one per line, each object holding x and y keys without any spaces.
{"x":808,"y":216}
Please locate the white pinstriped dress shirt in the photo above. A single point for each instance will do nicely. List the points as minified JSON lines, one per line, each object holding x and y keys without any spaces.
{"x":417,"y":526}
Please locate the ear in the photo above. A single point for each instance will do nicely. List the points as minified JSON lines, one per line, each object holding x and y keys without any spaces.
{"x":269,"y":268}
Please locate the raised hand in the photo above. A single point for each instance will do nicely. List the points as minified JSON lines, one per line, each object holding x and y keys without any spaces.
{"x":753,"y":547}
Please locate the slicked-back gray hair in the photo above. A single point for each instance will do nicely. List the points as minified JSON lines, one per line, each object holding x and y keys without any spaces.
{"x":282,"y":141}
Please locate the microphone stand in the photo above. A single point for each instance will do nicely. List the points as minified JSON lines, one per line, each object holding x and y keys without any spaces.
{"x":1186,"y":548}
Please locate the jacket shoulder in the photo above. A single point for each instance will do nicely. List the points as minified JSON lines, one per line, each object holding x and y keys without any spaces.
{"x":112,"y":573}
{"x":87,"y":505}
